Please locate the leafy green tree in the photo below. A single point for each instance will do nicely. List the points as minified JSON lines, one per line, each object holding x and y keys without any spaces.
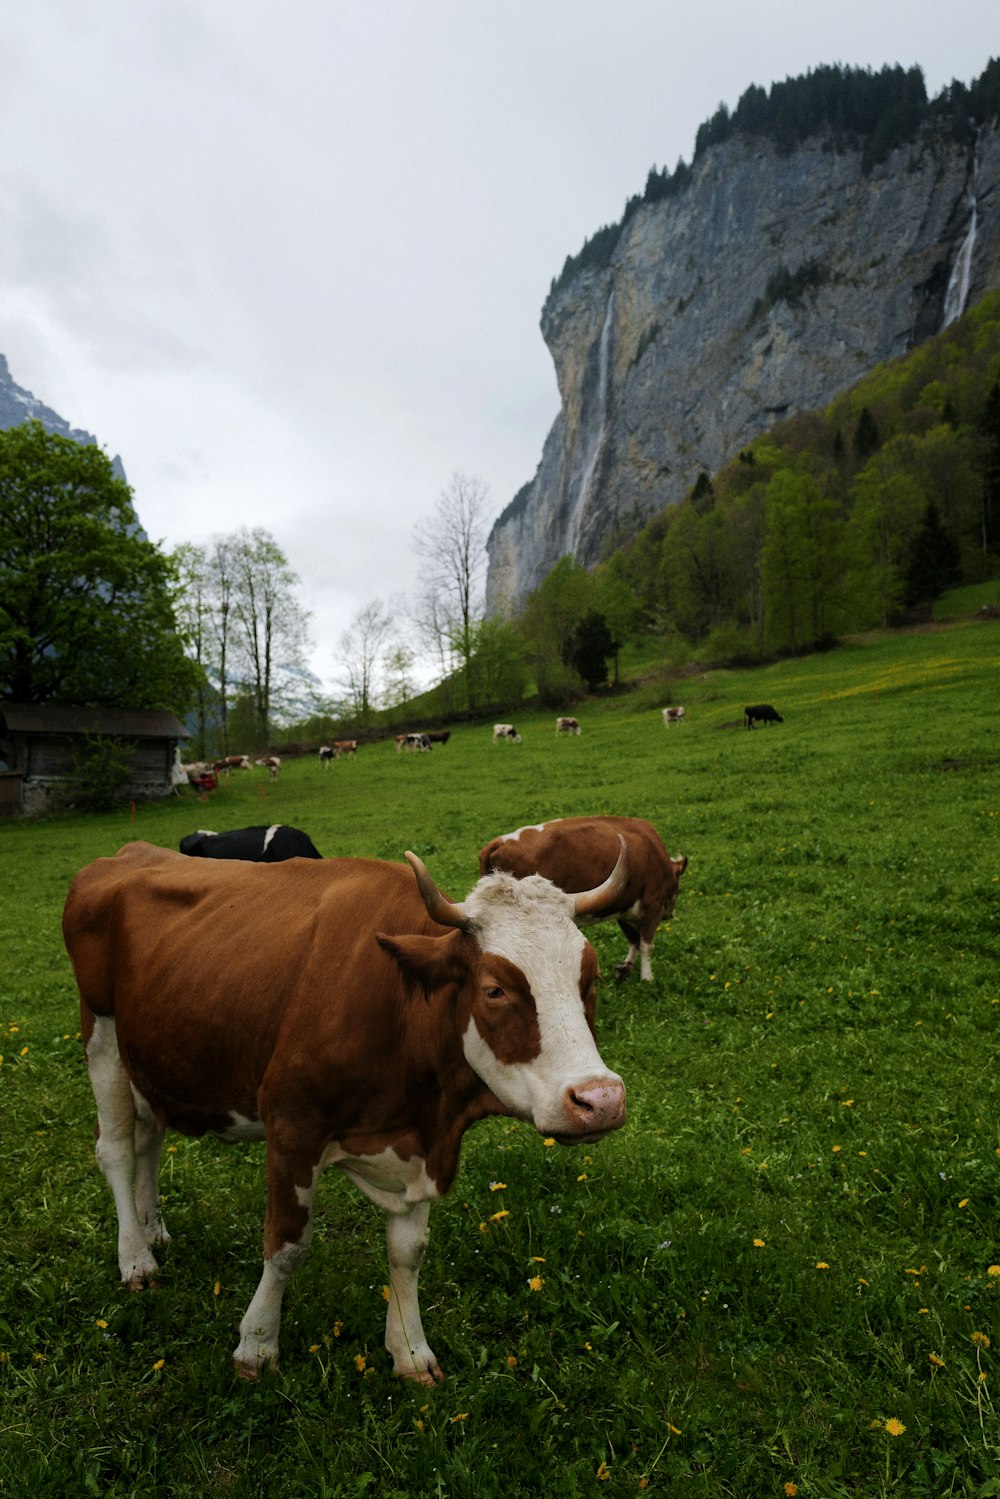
{"x":801,"y":563}
{"x":271,"y":629}
{"x":589,"y":649}
{"x":935,"y":561}
{"x":548,"y":620}
{"x":86,"y":600}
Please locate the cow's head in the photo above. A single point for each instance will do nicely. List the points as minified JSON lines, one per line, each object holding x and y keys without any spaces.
{"x":529,"y":998}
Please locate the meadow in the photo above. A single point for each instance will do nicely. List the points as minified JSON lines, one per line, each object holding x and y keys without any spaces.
{"x":781,"y":1277}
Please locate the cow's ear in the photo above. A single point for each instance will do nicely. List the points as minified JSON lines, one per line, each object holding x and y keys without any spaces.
{"x":427,"y":962}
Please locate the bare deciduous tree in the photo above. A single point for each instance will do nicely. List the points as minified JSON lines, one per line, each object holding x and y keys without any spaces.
{"x":451,"y":544}
{"x":360,"y":652}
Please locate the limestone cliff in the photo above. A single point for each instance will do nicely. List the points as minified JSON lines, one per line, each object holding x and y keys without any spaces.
{"x":18,"y":405}
{"x":771,"y":282}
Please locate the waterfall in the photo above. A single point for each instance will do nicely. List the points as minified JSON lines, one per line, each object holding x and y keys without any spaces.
{"x":589,"y":468}
{"x":958,"y":281}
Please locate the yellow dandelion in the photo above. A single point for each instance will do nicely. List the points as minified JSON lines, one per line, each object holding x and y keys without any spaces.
{"x":24,"y":1051}
{"x":791,"y":1489}
{"x":847,"y":1103}
{"x":503,"y":1213}
{"x":582,"y":1177}
{"x":360,"y":1362}
{"x":420,"y":1424}
{"x":604,"y":1472}
{"x":216,"y":1288}
{"x":980,"y":1339}
{"x":921,"y":1271}
{"x":38,"y":1358}
{"x":923,"y":1311}
{"x":4,"y":1356}
{"x":387,"y":1293}
{"x":511,"y":1361}
{"x":936,"y":1361}
{"x":315,"y":1347}
{"x":675,"y":1429}
{"x":894,"y":1426}
{"x":964,"y":1202}
{"x":539,"y":1259}
{"x":758,"y":1243}
{"x":160,"y":1362}
{"x":461,"y":1416}
{"x":336,"y":1329}
{"x":497,"y":1186}
{"x":822,"y":1265}
{"x":536,"y":1282}
{"x":588,"y":1347}
{"x":483,"y":1228}
{"x":100,"y":1322}
{"x":552,"y":1140}
{"x":993,"y":1270}
{"x":837,"y":1149}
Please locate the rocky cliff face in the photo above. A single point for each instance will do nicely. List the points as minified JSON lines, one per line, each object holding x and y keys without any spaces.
{"x":18,"y":405}
{"x":769,"y":284}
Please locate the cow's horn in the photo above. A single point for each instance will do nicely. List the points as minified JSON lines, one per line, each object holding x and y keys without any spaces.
{"x":439,"y":907}
{"x":590,"y":902}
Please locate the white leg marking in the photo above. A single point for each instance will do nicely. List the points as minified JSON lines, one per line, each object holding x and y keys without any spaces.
{"x":406,"y":1237}
{"x":261,"y":1325}
{"x":116,"y":1151}
{"x":645,"y":965}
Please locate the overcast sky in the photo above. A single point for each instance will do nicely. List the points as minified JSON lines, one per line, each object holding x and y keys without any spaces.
{"x":288,"y":260}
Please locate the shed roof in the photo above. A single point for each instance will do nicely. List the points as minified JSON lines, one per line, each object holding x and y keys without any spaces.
{"x":62,"y":718}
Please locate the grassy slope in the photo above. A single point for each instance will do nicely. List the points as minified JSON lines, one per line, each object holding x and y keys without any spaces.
{"x":813,"y":1068}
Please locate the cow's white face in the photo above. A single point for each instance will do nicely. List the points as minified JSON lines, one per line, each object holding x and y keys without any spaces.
{"x":529,"y":1035}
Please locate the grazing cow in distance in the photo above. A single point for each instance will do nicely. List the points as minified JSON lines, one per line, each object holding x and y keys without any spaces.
{"x":325,"y":755}
{"x":232,"y":762}
{"x":567,"y":726}
{"x":346,"y":1012}
{"x":272,"y":764}
{"x":568,"y":849}
{"x":439,"y":736}
{"x":506,"y":731}
{"x":261,"y":845}
{"x":672,"y":715}
{"x":761,"y":713}
{"x":344,"y":747}
{"x":414,"y":742}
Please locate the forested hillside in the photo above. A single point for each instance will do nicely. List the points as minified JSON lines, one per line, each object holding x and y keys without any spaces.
{"x":838,"y":520}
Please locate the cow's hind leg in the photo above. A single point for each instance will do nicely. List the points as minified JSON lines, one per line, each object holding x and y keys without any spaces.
{"x":116,"y":1151}
{"x":406,"y":1238}
{"x":287,"y":1232}
{"x":631,"y":933}
{"x":148,"y":1148}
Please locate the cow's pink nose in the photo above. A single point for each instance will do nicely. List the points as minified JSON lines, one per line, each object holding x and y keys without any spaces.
{"x":595,"y":1107}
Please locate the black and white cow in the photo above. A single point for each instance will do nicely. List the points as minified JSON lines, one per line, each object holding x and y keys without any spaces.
{"x":260,"y":845}
{"x":505,"y":731}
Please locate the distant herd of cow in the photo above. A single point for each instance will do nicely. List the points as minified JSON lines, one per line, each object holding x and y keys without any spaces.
{"x":349,"y":1013}
{"x":423,"y":741}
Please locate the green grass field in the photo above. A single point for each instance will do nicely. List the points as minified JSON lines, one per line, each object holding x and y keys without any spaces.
{"x":781,"y":1277}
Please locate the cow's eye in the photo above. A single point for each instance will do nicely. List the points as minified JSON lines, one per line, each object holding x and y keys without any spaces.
{"x":494,"y":992}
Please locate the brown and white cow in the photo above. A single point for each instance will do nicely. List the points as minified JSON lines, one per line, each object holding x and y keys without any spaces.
{"x":272,"y":764}
{"x":232,"y":762}
{"x":568,"y":850}
{"x":567,"y":726}
{"x":344,"y":747}
{"x":348,"y":1013}
{"x":673,"y":715}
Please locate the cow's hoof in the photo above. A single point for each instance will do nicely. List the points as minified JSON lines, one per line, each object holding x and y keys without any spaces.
{"x":622,"y":972}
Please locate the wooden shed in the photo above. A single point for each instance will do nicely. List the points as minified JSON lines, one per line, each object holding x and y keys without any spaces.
{"x":45,"y":750}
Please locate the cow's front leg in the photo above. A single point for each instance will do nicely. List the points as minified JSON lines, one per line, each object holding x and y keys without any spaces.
{"x":291,"y":1188}
{"x":406,"y":1237}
